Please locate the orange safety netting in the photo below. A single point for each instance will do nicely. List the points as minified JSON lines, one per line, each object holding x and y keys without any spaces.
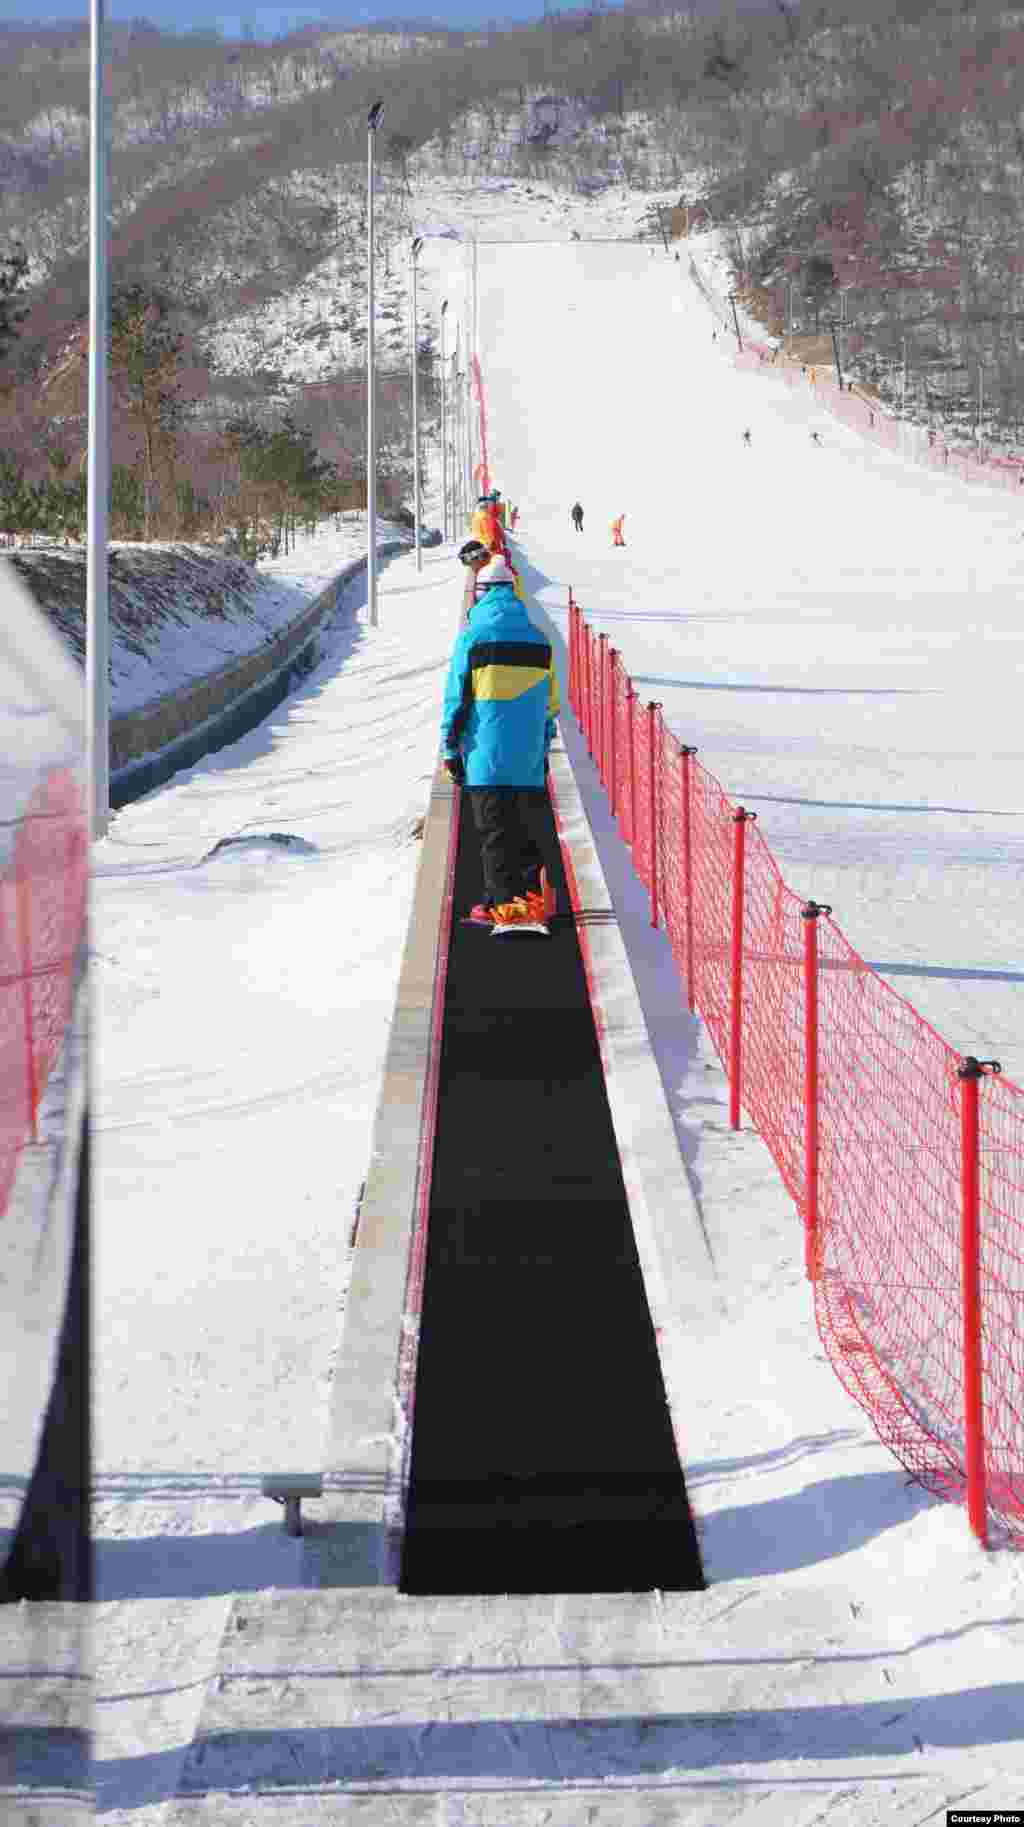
{"x":864,"y":1121}
{"x":868,"y":418}
{"x":42,"y":917}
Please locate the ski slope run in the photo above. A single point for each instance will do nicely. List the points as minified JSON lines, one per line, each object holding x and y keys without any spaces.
{"x":837,"y":631}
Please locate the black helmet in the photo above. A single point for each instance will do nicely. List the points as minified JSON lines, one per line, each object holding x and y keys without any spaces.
{"x":471,"y":550}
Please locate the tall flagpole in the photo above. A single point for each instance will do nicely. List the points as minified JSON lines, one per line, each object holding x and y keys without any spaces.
{"x":417,"y":507}
{"x":97,"y":609}
{"x":372,"y":123}
{"x":444,"y":431}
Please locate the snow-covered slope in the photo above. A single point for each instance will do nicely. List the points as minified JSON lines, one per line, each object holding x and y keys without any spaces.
{"x":809,"y":617}
{"x":838,"y":632}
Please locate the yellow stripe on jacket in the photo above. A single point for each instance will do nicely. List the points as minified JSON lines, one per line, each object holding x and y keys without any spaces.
{"x":506,"y":682}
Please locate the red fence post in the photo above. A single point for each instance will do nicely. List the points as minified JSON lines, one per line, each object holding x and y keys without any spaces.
{"x":613,"y":720}
{"x":809,"y":915}
{"x":573,"y":661}
{"x":970,"y":1269}
{"x":592,"y":692}
{"x":580,"y":675}
{"x":652,"y":743}
{"x":686,"y":750}
{"x":588,"y":689}
{"x":630,"y":700}
{"x":740,"y":821}
{"x":602,"y":704}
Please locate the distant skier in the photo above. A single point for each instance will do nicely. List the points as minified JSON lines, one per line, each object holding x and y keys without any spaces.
{"x":576,"y":516}
{"x":617,"y":539}
{"x":746,"y":437}
{"x":815,"y":437}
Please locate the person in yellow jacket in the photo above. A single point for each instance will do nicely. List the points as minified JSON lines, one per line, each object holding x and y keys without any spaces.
{"x":486,"y":526}
{"x":480,"y":525}
{"x":617,"y":539}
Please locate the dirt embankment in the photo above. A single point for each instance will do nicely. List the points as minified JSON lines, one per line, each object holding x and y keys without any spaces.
{"x":149,"y":585}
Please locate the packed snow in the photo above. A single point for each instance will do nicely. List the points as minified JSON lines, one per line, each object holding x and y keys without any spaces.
{"x":838,"y":634}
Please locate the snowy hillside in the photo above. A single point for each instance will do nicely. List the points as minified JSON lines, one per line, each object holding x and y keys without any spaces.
{"x":838,"y":633}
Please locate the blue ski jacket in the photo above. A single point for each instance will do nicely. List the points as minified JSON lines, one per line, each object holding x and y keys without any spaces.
{"x":501,"y":699}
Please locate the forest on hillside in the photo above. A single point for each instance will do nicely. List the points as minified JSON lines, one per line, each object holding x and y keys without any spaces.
{"x":863,"y":165}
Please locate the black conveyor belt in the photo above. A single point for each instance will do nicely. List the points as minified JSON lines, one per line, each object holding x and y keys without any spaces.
{"x":542,"y":1457}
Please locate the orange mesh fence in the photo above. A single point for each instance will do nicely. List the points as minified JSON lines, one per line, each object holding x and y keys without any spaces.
{"x":868,"y":418}
{"x":42,"y":915}
{"x":643,"y":829}
{"x":772,"y":1012}
{"x":621,"y":716}
{"x":15,"y":1051}
{"x":913,"y":1219}
{"x":1002,"y":1294}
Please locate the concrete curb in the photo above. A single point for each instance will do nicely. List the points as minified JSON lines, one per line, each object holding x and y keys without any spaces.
{"x":677,"y":1270}
{"x":351,"y":1541}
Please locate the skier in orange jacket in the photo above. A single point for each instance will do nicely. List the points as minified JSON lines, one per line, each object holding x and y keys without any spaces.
{"x":486,"y":526}
{"x":617,"y":539}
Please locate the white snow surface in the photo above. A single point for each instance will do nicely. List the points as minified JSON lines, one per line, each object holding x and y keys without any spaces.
{"x":839,"y":633}
{"x":185,"y":641}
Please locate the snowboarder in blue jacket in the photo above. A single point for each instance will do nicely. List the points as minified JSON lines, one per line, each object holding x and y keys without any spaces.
{"x":497,"y":725}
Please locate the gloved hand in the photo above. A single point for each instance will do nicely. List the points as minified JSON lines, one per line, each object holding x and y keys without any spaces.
{"x":456,"y":768}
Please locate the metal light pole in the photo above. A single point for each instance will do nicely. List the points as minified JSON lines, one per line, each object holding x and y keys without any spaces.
{"x":97,"y":611}
{"x":372,"y":123}
{"x":416,"y":246}
{"x":472,"y":490}
{"x":444,"y":430}
{"x":456,"y":409}
{"x":457,"y":464}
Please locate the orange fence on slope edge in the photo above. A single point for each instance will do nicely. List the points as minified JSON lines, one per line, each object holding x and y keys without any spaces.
{"x":871,"y":421}
{"x":911,"y":441}
{"x":913,"y":1207}
{"x":42,"y":921}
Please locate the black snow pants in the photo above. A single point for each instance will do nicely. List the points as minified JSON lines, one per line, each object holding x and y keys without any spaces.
{"x":511,"y":824}
{"x":577,"y":521}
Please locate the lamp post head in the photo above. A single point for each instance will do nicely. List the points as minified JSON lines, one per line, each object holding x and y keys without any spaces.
{"x":417,"y":244}
{"x":373,"y":118}
{"x":444,"y":307}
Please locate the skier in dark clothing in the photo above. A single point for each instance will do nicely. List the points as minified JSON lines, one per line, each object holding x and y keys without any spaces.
{"x":576,"y":516}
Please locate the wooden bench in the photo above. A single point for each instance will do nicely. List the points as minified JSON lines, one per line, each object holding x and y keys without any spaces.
{"x":290,"y":1488}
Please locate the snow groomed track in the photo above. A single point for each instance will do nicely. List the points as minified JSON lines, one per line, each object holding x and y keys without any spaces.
{"x":543,"y":1457}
